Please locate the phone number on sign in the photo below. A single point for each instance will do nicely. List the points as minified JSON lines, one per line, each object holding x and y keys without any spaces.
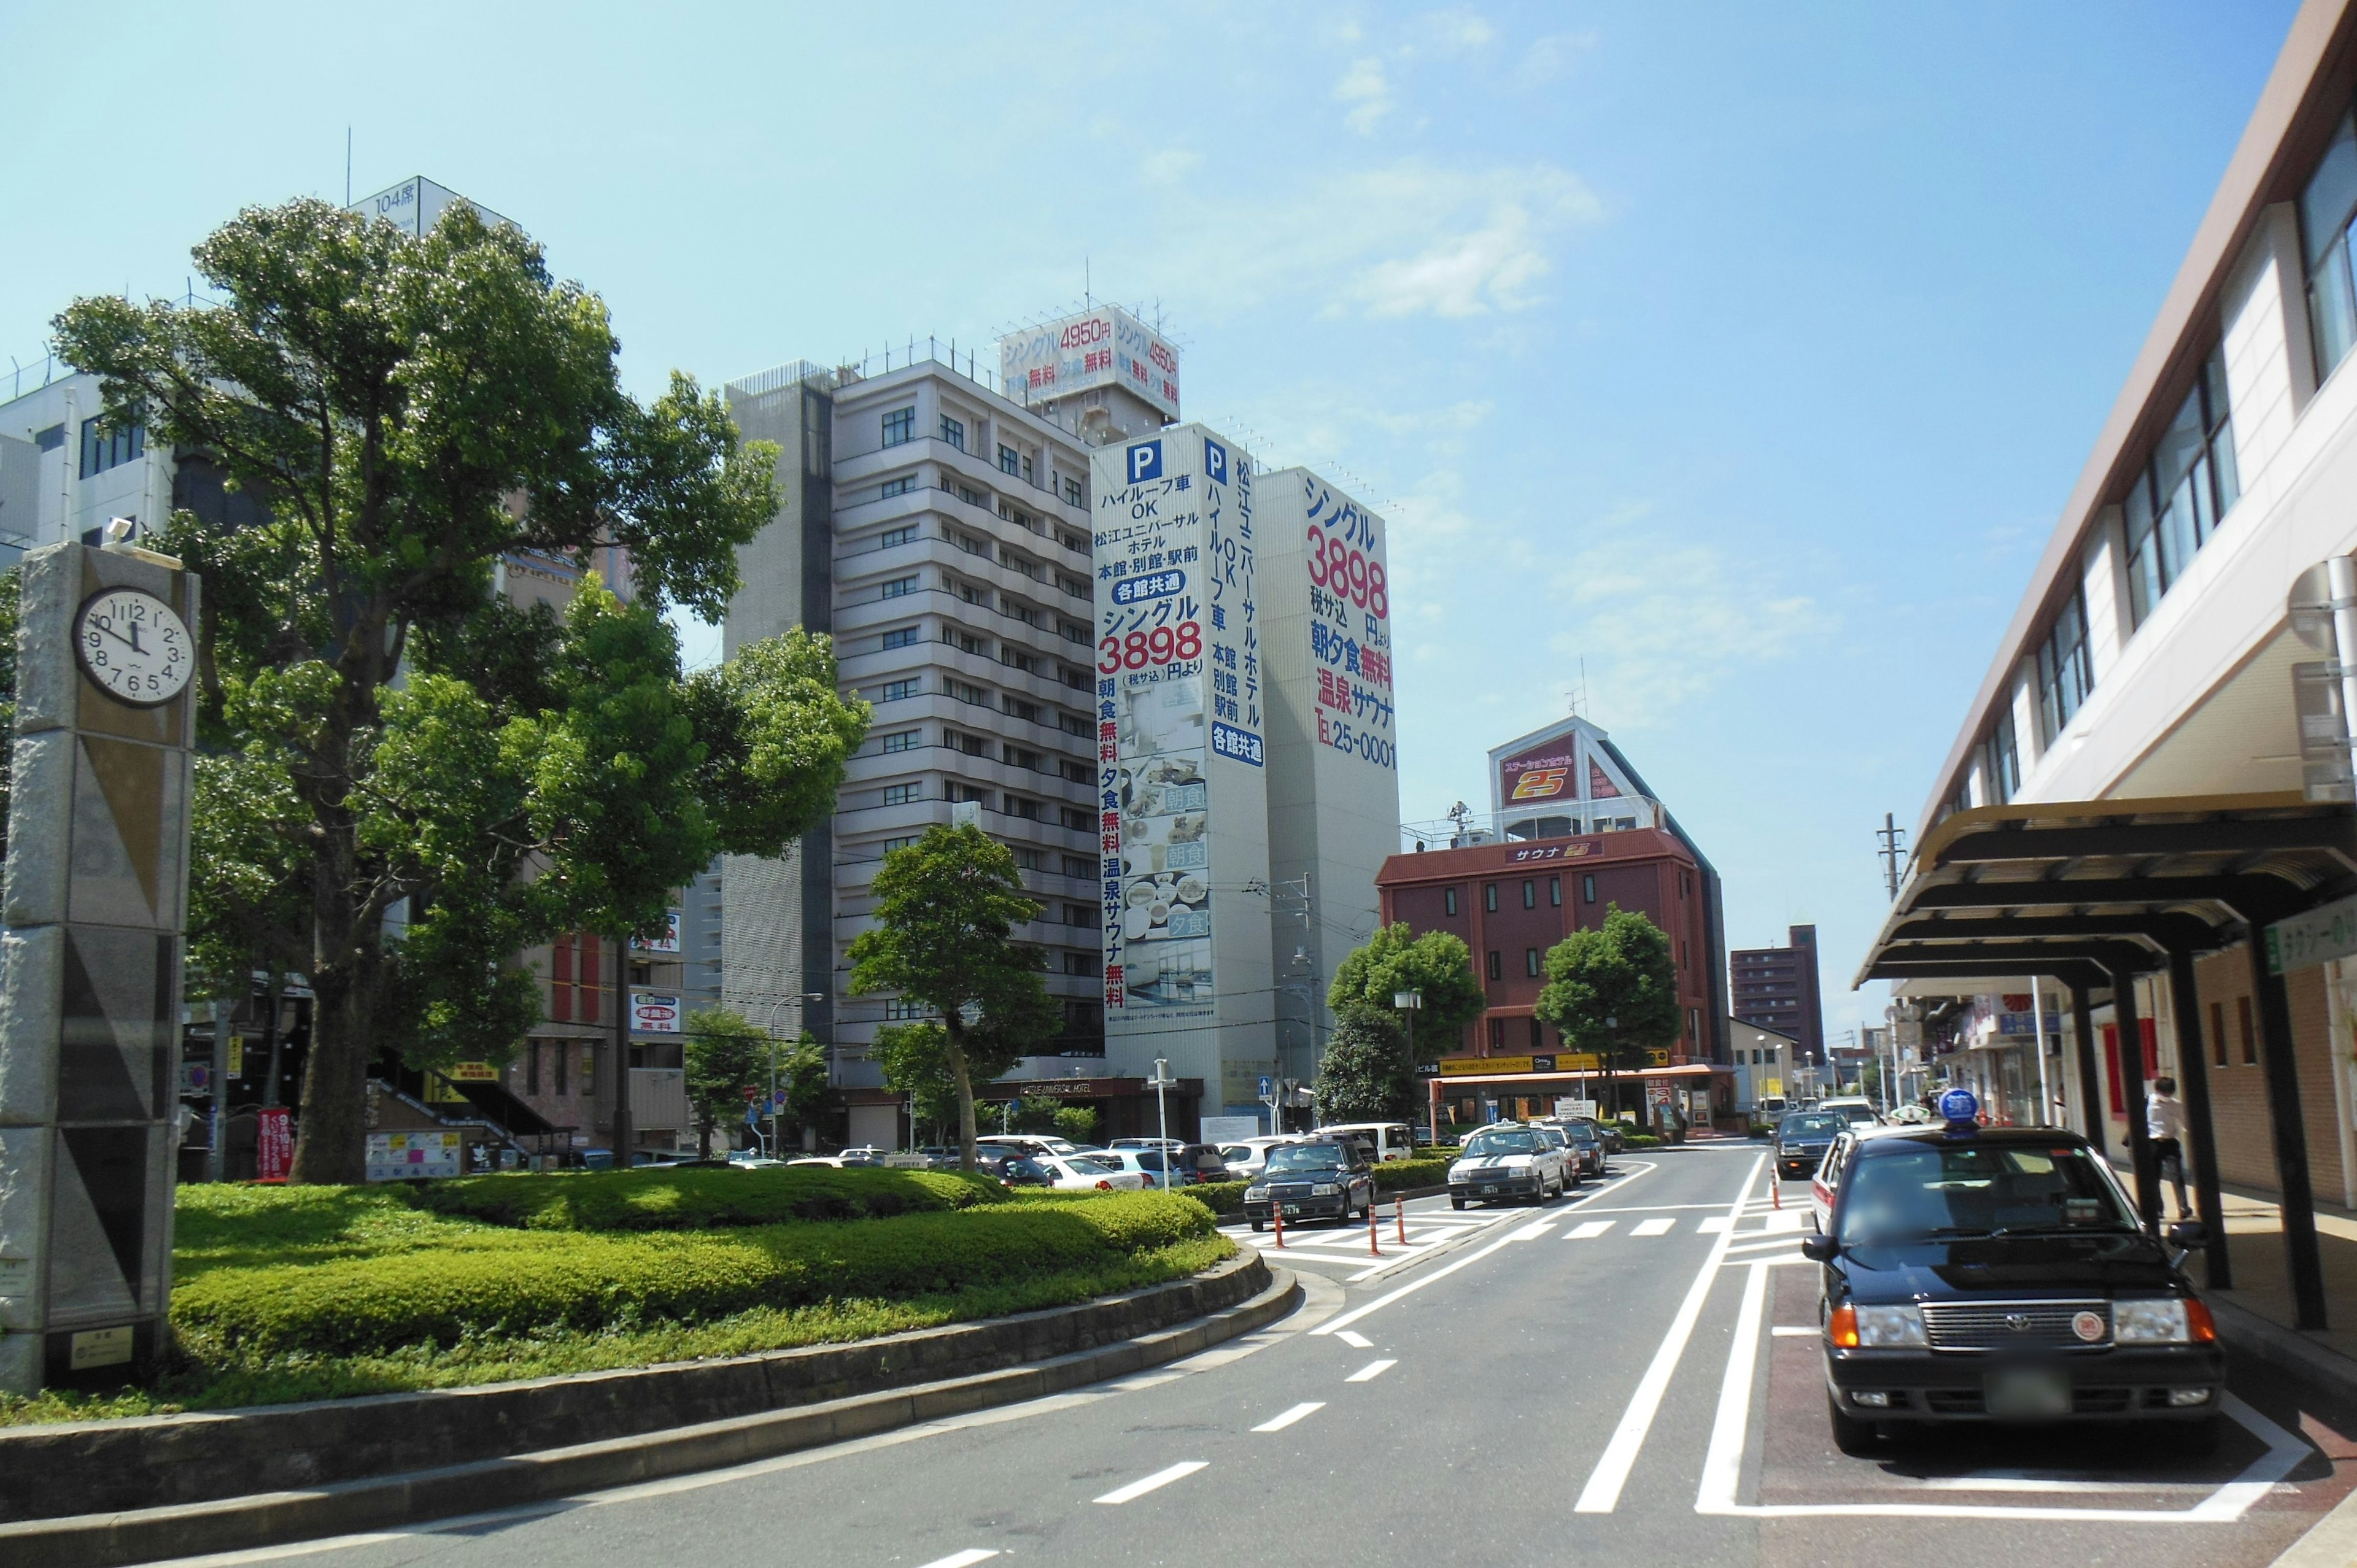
{"x":1163,"y":645}
{"x":1358,"y":743}
{"x":1338,"y":568}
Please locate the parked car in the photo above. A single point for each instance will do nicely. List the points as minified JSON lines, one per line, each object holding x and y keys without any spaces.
{"x":1147,"y":1163}
{"x":1312,"y":1178}
{"x":1554,"y":1134}
{"x":1854,"y":1109}
{"x":1385,"y":1141}
{"x":1586,"y":1147}
{"x":865,"y":1155}
{"x":1507,"y":1161}
{"x":1610,"y":1131}
{"x":1082,"y":1173}
{"x":1246,"y":1159}
{"x":1018,"y":1170}
{"x":2001,"y":1274}
{"x":1147,"y":1143}
{"x":1801,"y":1140}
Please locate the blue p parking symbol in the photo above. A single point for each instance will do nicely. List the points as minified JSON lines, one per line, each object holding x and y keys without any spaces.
{"x":1144,"y":461}
{"x":1215,"y":462}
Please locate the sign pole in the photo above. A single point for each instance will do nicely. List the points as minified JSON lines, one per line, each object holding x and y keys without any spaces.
{"x":623,"y":1137}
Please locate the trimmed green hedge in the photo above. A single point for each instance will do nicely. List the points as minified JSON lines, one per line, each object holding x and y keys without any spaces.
{"x":703,"y":1199}
{"x":1220,"y":1196}
{"x":602,"y":1283}
{"x":1398,"y":1174}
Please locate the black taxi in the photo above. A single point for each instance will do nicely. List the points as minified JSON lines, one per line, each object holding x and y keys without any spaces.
{"x":1984,"y":1274}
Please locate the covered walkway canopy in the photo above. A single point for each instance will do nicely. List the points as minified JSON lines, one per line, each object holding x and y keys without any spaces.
{"x":2093,"y":893}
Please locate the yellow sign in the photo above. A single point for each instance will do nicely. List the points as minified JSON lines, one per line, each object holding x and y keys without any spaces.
{"x":1773,"y":1086}
{"x":472,"y":1072}
{"x":100,"y":1347}
{"x":1659,"y":1058}
{"x":236,"y":1055}
{"x":1460,"y":1066}
{"x":440,"y":1090}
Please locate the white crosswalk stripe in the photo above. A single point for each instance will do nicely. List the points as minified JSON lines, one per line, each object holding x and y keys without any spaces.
{"x":1587,"y":1229}
{"x":1653,"y":1227}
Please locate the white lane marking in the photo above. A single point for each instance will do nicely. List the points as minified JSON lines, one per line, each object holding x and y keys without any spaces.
{"x":1160,"y":1479}
{"x":1787,"y":1331}
{"x":966,"y":1559}
{"x":1371,"y":1371}
{"x":1589,"y":1229}
{"x":1754,"y":1248}
{"x":1712,"y":1224}
{"x":1532,"y":1232}
{"x":1355,"y":1340}
{"x":1722,"y":1464}
{"x":1781,"y":1222}
{"x":2000,"y":1481}
{"x":1653,"y":1227}
{"x":1602,"y":1493}
{"x":1528,"y":1233}
{"x":1279,"y":1423}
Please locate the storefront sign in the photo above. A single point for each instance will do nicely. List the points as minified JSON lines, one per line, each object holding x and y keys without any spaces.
{"x":273,"y":1143}
{"x":2303,"y":941}
{"x":653,"y":1014}
{"x":667,"y":942}
{"x":1544,"y":775}
{"x":472,"y":1072}
{"x":398,"y":1156}
{"x":1562,"y":1061}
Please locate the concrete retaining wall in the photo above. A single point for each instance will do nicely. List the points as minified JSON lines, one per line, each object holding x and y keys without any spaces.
{"x":87,"y":1468}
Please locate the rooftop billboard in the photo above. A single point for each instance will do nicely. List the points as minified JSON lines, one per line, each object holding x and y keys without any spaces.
{"x":1106,"y":346}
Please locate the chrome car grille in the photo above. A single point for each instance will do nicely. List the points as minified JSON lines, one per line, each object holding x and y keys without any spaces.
{"x":2012,"y":1324}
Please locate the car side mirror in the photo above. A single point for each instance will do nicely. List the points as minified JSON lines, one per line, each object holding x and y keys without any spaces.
{"x":1820,"y":1249}
{"x":2189,"y":1234}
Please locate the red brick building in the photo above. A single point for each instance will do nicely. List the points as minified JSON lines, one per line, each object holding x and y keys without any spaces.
{"x":1513,"y":900}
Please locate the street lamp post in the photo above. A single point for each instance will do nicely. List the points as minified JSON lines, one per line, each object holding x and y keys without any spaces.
{"x":1163,"y":1081}
{"x":1407,"y":1002}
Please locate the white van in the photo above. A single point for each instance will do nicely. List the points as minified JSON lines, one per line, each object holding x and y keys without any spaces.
{"x":1388,"y":1140}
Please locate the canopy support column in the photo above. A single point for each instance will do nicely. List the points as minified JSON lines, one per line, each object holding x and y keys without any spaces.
{"x":2285,"y":1111}
{"x":2090,"y":1088}
{"x":2193,"y":1062}
{"x":2128,"y":1032}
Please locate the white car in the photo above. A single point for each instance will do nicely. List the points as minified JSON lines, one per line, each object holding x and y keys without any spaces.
{"x":1084,"y":1173}
{"x":1506,"y":1162}
{"x":1247,"y":1158}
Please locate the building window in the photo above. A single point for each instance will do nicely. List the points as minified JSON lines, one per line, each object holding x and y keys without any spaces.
{"x":2328,"y":205}
{"x":1072,"y":632}
{"x":1030,"y":859}
{"x":102,"y":448}
{"x":2242,"y":1027}
{"x":1497,"y":964}
{"x":1080,"y":821}
{"x":1531,"y":962}
{"x":1448,"y":900}
{"x":965,"y":692}
{"x":1588,"y":888}
{"x":959,"y":794}
{"x":1009,"y":461}
{"x":900,"y":637}
{"x":899,"y":1009}
{"x":891,"y":844}
{"x":563,"y":1059}
{"x":1017,"y":709}
{"x":2065,"y":675}
{"x":2001,"y":761}
{"x":2188,"y":484}
{"x":897,"y":587}
{"x":532,"y":1066}
{"x":1080,"y":865}
{"x":904,"y":534}
{"x":1017,"y":806}
{"x":1694,"y":1025}
{"x":1073,"y":493}
{"x":1072,"y":723}
{"x":2218,"y":1032}
{"x":901,"y":425}
{"x":1554,"y":892}
{"x":900,"y":486}
{"x":1081,"y":963}
{"x":901,"y":794}
{"x":1497,"y":1034}
{"x":1530,"y":894}
{"x":901,"y":740}
{"x":896,"y":691}
{"x":1490,"y":896}
{"x":953,"y":432}
{"x":1079,"y":914}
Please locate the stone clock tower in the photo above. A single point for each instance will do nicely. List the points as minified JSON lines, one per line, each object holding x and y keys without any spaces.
{"x":90,"y":967}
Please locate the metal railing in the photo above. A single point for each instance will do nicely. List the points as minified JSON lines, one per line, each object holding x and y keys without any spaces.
{"x":1569,"y":819}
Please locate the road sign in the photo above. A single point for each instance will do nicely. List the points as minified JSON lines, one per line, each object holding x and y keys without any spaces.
{"x":2306,"y":940}
{"x":777,"y":1101}
{"x":1267,"y":1087}
{"x":751,"y":1094}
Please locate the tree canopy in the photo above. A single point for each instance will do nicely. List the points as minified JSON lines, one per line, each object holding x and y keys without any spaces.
{"x":725,"y":1054}
{"x":946,"y":908}
{"x":914,"y":1059}
{"x":1366,"y":1075}
{"x":406,"y":777}
{"x":1395,"y":958}
{"x":1613,"y":990}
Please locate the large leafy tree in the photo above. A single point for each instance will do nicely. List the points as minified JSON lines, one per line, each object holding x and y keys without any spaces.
{"x":946,"y":908}
{"x":1613,"y":990}
{"x":1366,"y":1075}
{"x":406,"y":779}
{"x":725,"y":1054}
{"x":914,"y":1059}
{"x":1395,"y":958}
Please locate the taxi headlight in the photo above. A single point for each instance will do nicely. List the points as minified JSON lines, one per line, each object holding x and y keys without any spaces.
{"x":1890,"y":1327}
{"x":1256,"y":1193}
{"x":1323,"y":1189}
{"x":2150,"y":1322}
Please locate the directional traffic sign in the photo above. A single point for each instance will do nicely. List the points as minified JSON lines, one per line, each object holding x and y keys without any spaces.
{"x":1267,"y":1087}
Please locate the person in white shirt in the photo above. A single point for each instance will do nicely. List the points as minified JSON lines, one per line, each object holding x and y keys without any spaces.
{"x":2164,"y":1124}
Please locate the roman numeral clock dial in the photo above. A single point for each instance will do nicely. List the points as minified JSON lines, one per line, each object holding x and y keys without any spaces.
{"x":134,"y":645}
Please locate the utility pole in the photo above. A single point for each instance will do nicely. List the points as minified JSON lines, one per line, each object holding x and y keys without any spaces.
{"x":625,"y":1137}
{"x":1892,"y":853}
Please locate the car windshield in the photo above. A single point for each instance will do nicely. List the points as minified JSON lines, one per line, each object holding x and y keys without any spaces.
{"x":1813,"y":1126}
{"x":1086,"y":1166}
{"x":1580,"y":1133}
{"x":1518,"y":1142}
{"x":1939,"y":1191}
{"x":1233,"y":1151}
{"x":1305,"y":1157}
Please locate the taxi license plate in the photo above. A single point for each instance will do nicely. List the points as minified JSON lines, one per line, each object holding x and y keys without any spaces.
{"x":1491,"y":1187}
{"x":1292,"y":1207}
{"x":2027,"y":1393}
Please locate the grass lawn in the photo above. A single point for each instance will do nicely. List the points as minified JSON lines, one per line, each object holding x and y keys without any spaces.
{"x":285,"y":1293}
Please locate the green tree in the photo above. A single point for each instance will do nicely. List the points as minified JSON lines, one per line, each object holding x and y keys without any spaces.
{"x":1612,"y":991}
{"x":915,"y":1062}
{"x":1077,"y":1124}
{"x":407,"y":779}
{"x":725,"y":1054}
{"x":946,"y":908}
{"x":1366,"y":1075}
{"x":1395,"y":958}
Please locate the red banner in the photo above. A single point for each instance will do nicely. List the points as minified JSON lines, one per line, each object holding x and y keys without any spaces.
{"x":273,"y":1143}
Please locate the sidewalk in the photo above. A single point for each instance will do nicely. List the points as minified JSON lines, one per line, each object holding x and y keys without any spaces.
{"x":2257,"y":1315}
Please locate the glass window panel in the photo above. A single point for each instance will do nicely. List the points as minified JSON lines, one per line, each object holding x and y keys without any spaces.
{"x":2178,"y":539}
{"x":2221,"y":465}
{"x":2331,"y":308}
{"x":2144,"y":564}
{"x":2330,"y":197}
{"x":2179,"y":444}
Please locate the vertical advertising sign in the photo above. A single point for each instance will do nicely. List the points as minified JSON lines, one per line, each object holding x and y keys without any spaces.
{"x":1350,"y":627}
{"x":1179,"y":691}
{"x":273,"y":1143}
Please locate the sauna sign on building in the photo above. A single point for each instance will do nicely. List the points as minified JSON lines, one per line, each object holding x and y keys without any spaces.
{"x":1182,"y":808}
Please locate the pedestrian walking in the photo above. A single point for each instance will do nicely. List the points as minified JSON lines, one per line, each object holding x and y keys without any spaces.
{"x":2164,"y":1123}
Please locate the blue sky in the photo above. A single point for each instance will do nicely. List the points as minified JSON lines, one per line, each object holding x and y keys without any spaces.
{"x":1746,"y":353}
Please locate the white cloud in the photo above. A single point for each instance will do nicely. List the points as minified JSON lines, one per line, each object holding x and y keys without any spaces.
{"x":1661,"y":623}
{"x":1549,"y":58}
{"x":1169,"y":164}
{"x":1465,"y":275}
{"x":1455,"y":29}
{"x":1369,"y":94}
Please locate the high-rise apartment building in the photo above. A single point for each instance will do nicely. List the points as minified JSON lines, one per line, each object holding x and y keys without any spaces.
{"x":1777,"y":988}
{"x":939,"y":532}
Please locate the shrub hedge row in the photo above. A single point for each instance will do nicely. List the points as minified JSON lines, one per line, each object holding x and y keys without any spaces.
{"x":703,"y":1199}
{"x":1227,"y":1197}
{"x":603,"y":1283}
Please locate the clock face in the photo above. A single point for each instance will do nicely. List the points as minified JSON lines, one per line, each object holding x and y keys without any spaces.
{"x":134,"y":645}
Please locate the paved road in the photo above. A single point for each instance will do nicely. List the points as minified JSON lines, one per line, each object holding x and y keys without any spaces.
{"x":1606,"y":1378}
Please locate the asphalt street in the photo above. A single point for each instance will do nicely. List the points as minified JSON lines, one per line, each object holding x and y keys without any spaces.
{"x":1628,"y":1375}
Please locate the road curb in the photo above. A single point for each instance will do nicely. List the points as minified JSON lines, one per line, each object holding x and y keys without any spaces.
{"x":2286,"y":1349}
{"x":144,"y":1535}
